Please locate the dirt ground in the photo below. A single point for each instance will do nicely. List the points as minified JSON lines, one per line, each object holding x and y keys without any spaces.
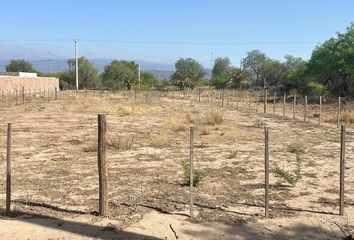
{"x":55,"y":176}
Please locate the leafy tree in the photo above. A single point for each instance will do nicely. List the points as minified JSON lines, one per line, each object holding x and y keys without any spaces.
{"x":332,"y":63}
{"x":236,"y":77}
{"x":120,"y":73}
{"x":88,"y":73}
{"x":188,"y":73}
{"x":220,"y":71}
{"x":254,"y":63}
{"x":148,"y":78}
{"x":20,"y":65}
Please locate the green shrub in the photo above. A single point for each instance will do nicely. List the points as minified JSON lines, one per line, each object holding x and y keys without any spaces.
{"x":297,"y":148}
{"x":233,"y":154}
{"x":291,"y":178}
{"x":315,"y":88}
{"x":198,"y":175}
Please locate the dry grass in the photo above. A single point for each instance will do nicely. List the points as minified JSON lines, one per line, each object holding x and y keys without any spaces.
{"x":176,"y":124}
{"x":214,"y":117}
{"x":190,"y":117}
{"x":160,"y":140}
{"x":121,"y":143}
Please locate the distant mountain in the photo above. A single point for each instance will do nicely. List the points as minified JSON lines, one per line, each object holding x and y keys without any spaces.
{"x":160,"y":70}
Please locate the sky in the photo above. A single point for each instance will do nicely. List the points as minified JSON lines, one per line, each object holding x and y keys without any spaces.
{"x":165,"y":30}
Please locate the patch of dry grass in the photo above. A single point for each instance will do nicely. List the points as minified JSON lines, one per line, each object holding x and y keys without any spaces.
{"x":176,"y":124}
{"x":190,"y":117}
{"x":121,"y":143}
{"x":214,"y":117}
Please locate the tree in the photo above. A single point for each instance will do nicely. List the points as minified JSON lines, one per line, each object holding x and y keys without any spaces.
{"x":237,"y":77}
{"x":120,"y":73}
{"x":148,"y":78}
{"x":254,"y":62}
{"x":88,"y":73}
{"x":332,"y":63}
{"x":220,"y":71}
{"x":20,"y":65}
{"x":188,"y":73}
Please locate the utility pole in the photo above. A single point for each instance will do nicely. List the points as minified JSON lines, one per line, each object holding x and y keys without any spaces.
{"x":76,"y":65}
{"x":211,"y":67}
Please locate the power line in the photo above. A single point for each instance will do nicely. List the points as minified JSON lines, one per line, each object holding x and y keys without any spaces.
{"x":167,"y":42}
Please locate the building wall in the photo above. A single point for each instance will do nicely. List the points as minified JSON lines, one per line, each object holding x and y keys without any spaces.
{"x":9,"y":84}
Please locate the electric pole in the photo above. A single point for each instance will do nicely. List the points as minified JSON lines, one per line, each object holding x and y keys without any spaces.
{"x":76,"y":65}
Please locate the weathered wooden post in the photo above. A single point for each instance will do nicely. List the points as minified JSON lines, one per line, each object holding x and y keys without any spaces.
{"x":199,"y":94}
{"x":266,"y":165}
{"x":191,"y":203}
{"x":320,"y":112}
{"x":16,"y":97}
{"x":274,"y":100}
{"x":102,"y":165}
{"x":56,"y":93}
{"x":23,"y":95}
{"x":8,"y":171}
{"x":338,"y":111}
{"x":284,"y":101}
{"x":265,"y":101}
{"x":342,"y":160}
{"x":222,"y":97}
{"x":294,"y":106}
{"x":305,"y":110}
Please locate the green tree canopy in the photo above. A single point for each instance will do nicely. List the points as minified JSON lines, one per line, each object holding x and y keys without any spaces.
{"x":254,"y":63}
{"x":120,"y":73}
{"x":20,"y":65}
{"x":220,"y":72}
{"x":188,"y":73}
{"x":332,"y":63}
{"x":88,"y":73}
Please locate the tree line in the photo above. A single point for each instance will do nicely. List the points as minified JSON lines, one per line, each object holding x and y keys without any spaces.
{"x":330,"y":71}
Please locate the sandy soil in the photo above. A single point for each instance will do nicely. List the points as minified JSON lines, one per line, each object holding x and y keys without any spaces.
{"x":55,"y":182}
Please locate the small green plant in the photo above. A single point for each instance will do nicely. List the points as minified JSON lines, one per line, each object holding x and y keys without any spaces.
{"x":258,"y":123}
{"x":291,"y":178}
{"x":198,"y":175}
{"x":297,"y":148}
{"x":233,"y":154}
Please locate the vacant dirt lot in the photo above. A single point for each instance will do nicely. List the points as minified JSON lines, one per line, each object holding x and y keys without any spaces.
{"x":55,"y":177}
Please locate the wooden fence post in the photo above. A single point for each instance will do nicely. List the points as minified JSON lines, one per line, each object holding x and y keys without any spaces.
{"x":222,"y":97}
{"x":305,"y":110}
{"x":320,"y":112}
{"x":199,"y":95}
{"x":342,"y":159}
{"x":56,"y":93}
{"x":284,"y":101}
{"x":102,"y":165}
{"x":16,"y":97}
{"x":338,"y":111}
{"x":265,"y":101}
{"x":294,"y":106}
{"x":191,"y":203}
{"x":266,"y":165}
{"x":23,"y":95}
{"x":8,"y":171}
{"x":274,"y":99}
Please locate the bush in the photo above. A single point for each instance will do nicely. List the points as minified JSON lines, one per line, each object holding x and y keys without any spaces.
{"x":198,"y":175}
{"x":315,"y":88}
{"x":291,"y":178}
{"x":214,"y":117}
